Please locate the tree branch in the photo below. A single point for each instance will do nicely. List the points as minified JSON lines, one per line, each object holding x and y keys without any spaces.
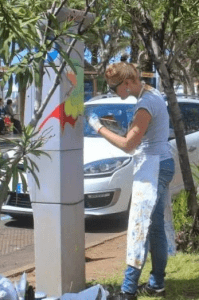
{"x":183,"y":46}
{"x":39,"y":89}
{"x":60,"y":7}
{"x":37,"y":115}
{"x":84,"y":17}
{"x":183,"y":70}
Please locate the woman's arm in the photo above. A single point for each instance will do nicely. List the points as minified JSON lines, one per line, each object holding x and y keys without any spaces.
{"x":135,"y":134}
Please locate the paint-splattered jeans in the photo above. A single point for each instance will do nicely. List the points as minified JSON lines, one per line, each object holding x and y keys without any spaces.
{"x":156,"y":237}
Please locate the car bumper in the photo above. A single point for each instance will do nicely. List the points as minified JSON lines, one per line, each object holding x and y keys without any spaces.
{"x":95,"y":203}
{"x":17,"y":205}
{"x":102,"y":196}
{"x":16,"y":211}
{"x":119,"y":184}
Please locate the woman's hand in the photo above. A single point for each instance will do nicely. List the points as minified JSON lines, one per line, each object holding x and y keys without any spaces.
{"x":94,"y":122}
{"x":135,"y":134}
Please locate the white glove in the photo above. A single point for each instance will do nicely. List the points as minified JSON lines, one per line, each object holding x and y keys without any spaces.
{"x":94,"y":122}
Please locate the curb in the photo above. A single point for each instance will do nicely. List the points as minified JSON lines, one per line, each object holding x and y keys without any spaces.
{"x":31,"y":267}
{"x":19,"y":271}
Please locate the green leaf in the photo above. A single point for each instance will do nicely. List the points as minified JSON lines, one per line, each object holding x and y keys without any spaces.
{"x":15,"y":179}
{"x":28,"y":130}
{"x":33,"y":164}
{"x":35,"y":176}
{"x":53,"y":19}
{"x":25,"y":187}
{"x":65,"y":56}
{"x":97,"y":20}
{"x":52,"y":64}
{"x":39,"y":54}
{"x":37,"y":78}
{"x":39,"y":153}
{"x":10,"y":83}
{"x":178,"y":19}
{"x":25,"y":163}
{"x":29,"y":22}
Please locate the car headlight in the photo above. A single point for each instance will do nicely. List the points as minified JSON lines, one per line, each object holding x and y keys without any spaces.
{"x":105,"y":167}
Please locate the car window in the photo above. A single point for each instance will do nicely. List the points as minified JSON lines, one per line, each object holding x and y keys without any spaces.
{"x":190,"y":117}
{"x":116,"y":117}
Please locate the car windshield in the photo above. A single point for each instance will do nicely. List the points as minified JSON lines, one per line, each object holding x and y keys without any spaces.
{"x":116,"y":117}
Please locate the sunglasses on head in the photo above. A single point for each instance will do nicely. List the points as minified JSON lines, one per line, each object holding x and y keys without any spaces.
{"x":114,"y":87}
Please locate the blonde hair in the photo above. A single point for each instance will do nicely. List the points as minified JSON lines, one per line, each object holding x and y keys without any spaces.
{"x":118,"y":72}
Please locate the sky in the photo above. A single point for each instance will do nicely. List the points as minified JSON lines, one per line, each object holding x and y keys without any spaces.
{"x":115,"y":59}
{"x":53,"y":55}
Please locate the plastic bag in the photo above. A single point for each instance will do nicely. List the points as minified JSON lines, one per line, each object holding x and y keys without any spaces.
{"x":96,"y":292}
{"x":21,"y":286}
{"x":8,"y":291}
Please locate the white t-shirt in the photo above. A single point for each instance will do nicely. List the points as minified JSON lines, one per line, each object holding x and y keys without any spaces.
{"x":155,"y":140}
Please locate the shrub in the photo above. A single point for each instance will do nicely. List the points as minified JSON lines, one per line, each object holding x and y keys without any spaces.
{"x":180,"y":212}
{"x":186,"y":240}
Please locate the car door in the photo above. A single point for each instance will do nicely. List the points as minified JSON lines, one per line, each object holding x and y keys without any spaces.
{"x":190,"y":116}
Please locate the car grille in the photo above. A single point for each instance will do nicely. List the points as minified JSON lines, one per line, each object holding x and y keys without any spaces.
{"x":98,"y":200}
{"x":90,"y":201}
{"x":19,"y":200}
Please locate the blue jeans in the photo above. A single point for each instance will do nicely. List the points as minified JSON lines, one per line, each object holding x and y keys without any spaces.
{"x":156,"y":237}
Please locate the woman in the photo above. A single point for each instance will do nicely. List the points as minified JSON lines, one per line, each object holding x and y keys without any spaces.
{"x":147,"y":141}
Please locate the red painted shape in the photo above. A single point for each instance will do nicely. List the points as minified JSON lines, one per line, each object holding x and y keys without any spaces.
{"x":59,"y":113}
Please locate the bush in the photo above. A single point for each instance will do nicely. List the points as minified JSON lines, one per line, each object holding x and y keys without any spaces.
{"x":180,"y":212}
{"x":186,"y":240}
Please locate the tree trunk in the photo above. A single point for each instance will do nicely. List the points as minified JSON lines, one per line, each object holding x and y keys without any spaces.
{"x":188,"y":79}
{"x":185,"y":88}
{"x":22,"y":97}
{"x":94,"y":51}
{"x":152,"y":47}
{"x":180,"y":139}
{"x":191,"y":89}
{"x":134,"y":50}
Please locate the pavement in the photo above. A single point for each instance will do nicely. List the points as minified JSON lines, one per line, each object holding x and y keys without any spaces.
{"x":13,"y":239}
{"x":17,"y":246}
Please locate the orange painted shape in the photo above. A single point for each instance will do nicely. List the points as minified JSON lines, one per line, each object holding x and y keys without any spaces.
{"x":72,"y":77}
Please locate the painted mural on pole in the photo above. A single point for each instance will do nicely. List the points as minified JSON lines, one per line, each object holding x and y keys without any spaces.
{"x":68,"y":111}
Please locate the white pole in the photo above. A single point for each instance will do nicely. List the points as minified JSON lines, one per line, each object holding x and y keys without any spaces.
{"x":58,"y":206}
